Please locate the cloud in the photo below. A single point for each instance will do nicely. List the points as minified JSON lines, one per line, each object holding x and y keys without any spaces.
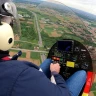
{"x":85,"y":5}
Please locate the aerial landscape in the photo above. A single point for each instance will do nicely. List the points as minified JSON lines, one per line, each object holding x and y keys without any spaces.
{"x":43,"y":23}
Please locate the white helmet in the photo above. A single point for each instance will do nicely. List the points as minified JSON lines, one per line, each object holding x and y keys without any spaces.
{"x":8,"y":18}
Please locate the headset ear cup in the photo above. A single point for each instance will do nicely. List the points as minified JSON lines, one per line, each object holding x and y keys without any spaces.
{"x":6,"y":37}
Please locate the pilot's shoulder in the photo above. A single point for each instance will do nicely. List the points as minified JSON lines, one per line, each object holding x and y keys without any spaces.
{"x":10,"y":71}
{"x":17,"y":65}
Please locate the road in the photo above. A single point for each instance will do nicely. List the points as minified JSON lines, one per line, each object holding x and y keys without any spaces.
{"x":26,"y":42}
{"x":43,"y":57}
{"x":43,"y":52}
{"x":38,"y":30}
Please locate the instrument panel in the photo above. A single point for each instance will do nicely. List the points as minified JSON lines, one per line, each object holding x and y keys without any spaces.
{"x":71,"y":55}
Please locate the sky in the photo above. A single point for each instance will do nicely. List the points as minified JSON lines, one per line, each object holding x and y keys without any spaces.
{"x":85,"y":5}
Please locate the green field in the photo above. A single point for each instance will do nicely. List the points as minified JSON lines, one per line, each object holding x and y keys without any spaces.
{"x":35,"y":55}
{"x":28,"y":32}
{"x":49,"y":30}
{"x":26,"y":45}
{"x":42,"y":15}
{"x":93,"y":89}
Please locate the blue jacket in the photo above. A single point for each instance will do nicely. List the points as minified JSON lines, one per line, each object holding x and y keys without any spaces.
{"x":22,"y":78}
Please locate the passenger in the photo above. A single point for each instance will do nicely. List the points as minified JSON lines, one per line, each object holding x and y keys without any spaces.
{"x":23,"y":78}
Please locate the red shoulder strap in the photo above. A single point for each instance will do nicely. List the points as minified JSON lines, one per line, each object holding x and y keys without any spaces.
{"x":6,"y":58}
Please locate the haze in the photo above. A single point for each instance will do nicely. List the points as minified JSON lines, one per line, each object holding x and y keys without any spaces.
{"x":84,"y":5}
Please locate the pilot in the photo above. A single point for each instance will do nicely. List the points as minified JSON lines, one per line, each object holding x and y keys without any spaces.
{"x":23,"y":78}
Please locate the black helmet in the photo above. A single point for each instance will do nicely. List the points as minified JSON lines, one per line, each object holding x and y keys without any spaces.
{"x":8,"y":23}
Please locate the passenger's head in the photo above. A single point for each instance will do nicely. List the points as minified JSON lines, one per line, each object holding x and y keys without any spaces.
{"x":8,"y":22}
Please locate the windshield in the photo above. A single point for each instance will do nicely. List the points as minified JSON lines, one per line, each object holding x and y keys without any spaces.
{"x":45,"y":22}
